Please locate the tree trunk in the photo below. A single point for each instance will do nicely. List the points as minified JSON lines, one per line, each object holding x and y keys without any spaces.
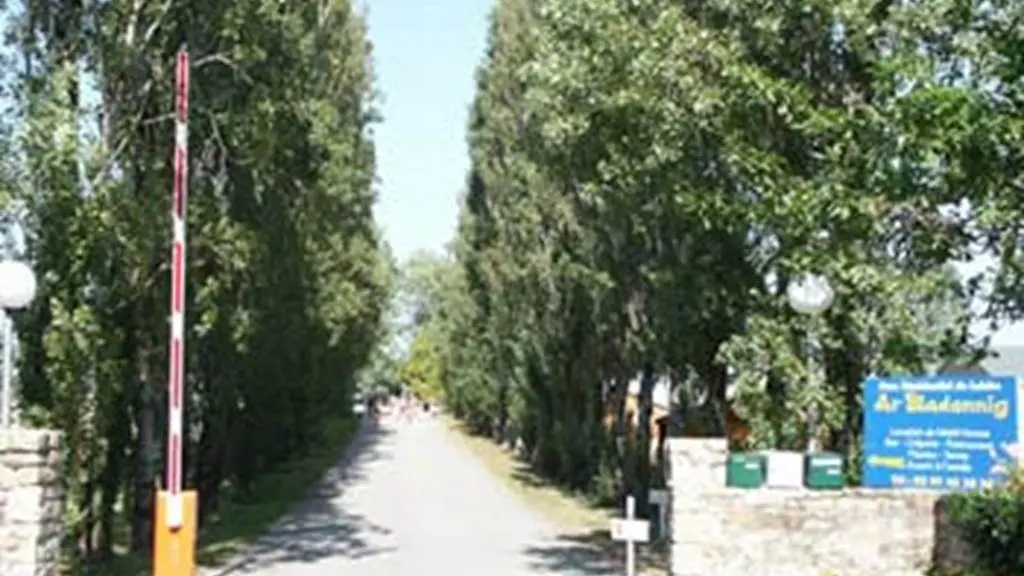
{"x":645,"y":407}
{"x":502,"y":420}
{"x":87,"y":530}
{"x":211,"y":452}
{"x":118,"y":438}
{"x":146,"y":444}
{"x":620,"y":436}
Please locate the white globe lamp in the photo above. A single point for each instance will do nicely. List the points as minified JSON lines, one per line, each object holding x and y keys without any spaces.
{"x":17,"y":285}
{"x":810,"y":294}
{"x":17,"y":289}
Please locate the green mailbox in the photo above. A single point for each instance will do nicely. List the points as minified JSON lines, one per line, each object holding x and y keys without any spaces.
{"x":823,"y":471}
{"x":745,"y":470}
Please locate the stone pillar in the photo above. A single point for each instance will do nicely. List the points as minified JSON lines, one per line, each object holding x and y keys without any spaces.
{"x":697,"y":463}
{"x":31,"y":502}
{"x":696,"y":467}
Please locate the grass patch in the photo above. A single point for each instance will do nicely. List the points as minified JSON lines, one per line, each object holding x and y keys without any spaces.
{"x":568,"y":510}
{"x":237,"y":522}
{"x":584,"y":524}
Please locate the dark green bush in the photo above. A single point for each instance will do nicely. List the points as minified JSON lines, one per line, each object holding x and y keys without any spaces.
{"x":992,"y":521}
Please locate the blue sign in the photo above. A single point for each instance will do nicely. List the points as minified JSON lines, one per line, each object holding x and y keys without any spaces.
{"x":939,"y":433}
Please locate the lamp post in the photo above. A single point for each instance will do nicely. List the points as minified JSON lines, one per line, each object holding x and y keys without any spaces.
{"x":811,"y":295}
{"x":17,"y":289}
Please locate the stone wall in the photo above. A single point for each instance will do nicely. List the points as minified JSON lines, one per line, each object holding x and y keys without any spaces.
{"x":31,"y":503}
{"x":734,"y":532}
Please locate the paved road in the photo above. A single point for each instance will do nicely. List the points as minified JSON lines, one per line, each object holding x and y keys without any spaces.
{"x":409,"y":499}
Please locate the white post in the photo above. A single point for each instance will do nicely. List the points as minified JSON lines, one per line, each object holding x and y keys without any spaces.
{"x":17,"y":289}
{"x":5,"y":419}
{"x":814,"y":381}
{"x":630,"y":545}
{"x":811,"y":295}
{"x":630,"y":530}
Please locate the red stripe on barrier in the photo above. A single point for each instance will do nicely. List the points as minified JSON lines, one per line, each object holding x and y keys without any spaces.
{"x":173,"y":467}
{"x":177,"y":279}
{"x":176,"y":375}
{"x":179,"y":183}
{"x":182,"y":81}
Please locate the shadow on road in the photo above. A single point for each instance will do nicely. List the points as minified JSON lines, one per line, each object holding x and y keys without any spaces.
{"x":591,"y":553}
{"x":319,"y":528}
{"x":594,"y":553}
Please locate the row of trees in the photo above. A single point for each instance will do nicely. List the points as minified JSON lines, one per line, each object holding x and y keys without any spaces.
{"x":648,"y":177}
{"x":287,"y":276}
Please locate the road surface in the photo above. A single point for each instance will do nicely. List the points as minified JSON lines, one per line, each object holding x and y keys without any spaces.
{"x":408,"y":499}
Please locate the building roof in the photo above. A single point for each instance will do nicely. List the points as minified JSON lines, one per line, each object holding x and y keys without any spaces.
{"x":1007,"y":361}
{"x":1002,"y":361}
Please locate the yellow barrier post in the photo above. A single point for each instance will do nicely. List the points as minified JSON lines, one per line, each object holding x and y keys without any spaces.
{"x":174,"y":549}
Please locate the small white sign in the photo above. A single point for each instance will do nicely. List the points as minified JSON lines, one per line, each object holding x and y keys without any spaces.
{"x":658,"y":497}
{"x":785,"y":469}
{"x":628,"y":530}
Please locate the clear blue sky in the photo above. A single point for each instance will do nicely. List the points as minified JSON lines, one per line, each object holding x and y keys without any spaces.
{"x":426,"y":53}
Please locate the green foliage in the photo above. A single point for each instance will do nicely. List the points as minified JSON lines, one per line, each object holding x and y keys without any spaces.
{"x":647,"y":178}
{"x":421,"y":369}
{"x":287,"y":281}
{"x":992,"y":521}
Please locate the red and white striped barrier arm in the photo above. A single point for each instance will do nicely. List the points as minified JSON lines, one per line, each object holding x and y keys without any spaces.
{"x":176,"y":373}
